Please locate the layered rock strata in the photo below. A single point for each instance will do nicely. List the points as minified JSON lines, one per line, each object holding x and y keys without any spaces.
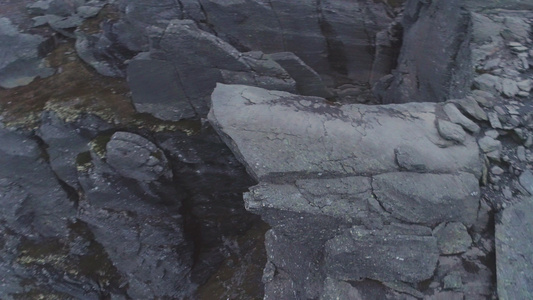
{"x":352,"y":192}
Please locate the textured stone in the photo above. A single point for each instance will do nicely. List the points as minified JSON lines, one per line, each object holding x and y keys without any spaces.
{"x":275,"y":132}
{"x":156,"y":89}
{"x":470,"y":106}
{"x":457,"y":117}
{"x":308,"y":82}
{"x":22,"y":60}
{"x":451,"y":131}
{"x":428,"y":199}
{"x":514,"y":255}
{"x":526,"y":181}
{"x":390,"y":254}
{"x":135,"y":157}
{"x":488,"y":144}
{"x":452,"y":238}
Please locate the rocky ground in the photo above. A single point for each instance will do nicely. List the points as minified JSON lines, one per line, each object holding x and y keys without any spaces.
{"x":115,"y":183}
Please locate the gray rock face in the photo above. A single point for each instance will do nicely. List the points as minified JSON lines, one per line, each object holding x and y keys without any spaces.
{"x":152,"y":240}
{"x":323,"y":168}
{"x":308,"y":82}
{"x":457,"y":117}
{"x":452,"y":238}
{"x":173,"y":81}
{"x":307,"y":135}
{"x":451,"y":131}
{"x":437,"y":27}
{"x":22,"y":60}
{"x":33,"y":199}
{"x":390,"y":254}
{"x":428,"y":199}
{"x":135,"y":157}
{"x":156,"y":90}
{"x":513,"y":251}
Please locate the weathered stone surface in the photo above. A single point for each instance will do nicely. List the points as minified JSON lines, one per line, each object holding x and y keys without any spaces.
{"x":97,"y":51}
{"x":526,"y":181}
{"x":488,"y":83}
{"x":488,"y":144}
{"x":428,"y":199}
{"x":22,"y":60}
{"x":308,"y":82}
{"x":438,"y":27}
{"x":135,"y":157}
{"x":451,"y":131}
{"x":152,"y":241}
{"x":514,"y":256}
{"x":34,"y":202}
{"x":452,"y":238}
{"x":189,"y":50}
{"x":509,"y":87}
{"x":457,"y":117}
{"x":307,"y":135}
{"x":300,"y":260}
{"x":64,"y":144}
{"x":470,"y":106}
{"x":341,"y":198}
{"x":156,"y":89}
{"x":391,"y":254}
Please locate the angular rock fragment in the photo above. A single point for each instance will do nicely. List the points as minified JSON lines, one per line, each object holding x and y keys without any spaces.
{"x":488,"y":144}
{"x":470,"y":106}
{"x":457,"y":117}
{"x":428,"y":199}
{"x":156,"y":89}
{"x":22,"y":60}
{"x":451,"y":131}
{"x":135,"y":157}
{"x":526,"y":181}
{"x":452,"y":238}
{"x":391,"y":254}
{"x":308,"y":82}
{"x":488,"y":83}
{"x":514,"y":255}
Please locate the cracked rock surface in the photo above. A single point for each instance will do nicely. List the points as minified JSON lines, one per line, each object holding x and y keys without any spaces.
{"x":330,"y":180}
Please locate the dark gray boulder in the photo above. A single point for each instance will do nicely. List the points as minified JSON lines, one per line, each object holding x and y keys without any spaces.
{"x":34,"y":200}
{"x":22,"y":59}
{"x":156,"y":89}
{"x":131,"y":192}
{"x":135,"y":157}
{"x":174,"y":80}
{"x":308,"y":135}
{"x":308,"y":82}
{"x":437,"y":27}
{"x":64,"y":144}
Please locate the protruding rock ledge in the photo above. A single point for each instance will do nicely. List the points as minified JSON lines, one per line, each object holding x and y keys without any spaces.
{"x":384,"y":171}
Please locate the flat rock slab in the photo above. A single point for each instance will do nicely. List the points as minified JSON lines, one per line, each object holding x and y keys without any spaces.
{"x":342,"y":198}
{"x":429,"y":199}
{"x":514,"y":251}
{"x":275,"y":133}
{"x":407,"y":253}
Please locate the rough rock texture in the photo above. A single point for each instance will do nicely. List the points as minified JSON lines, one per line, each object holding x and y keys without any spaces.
{"x":437,"y":27}
{"x":513,"y":252}
{"x":313,"y":185}
{"x":22,"y":56}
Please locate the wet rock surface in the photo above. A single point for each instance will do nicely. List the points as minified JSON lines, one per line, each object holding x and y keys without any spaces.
{"x":114,"y":186}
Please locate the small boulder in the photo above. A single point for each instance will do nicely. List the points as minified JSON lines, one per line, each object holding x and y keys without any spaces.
{"x":451,"y":131}
{"x":452,"y":238}
{"x":135,"y":157}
